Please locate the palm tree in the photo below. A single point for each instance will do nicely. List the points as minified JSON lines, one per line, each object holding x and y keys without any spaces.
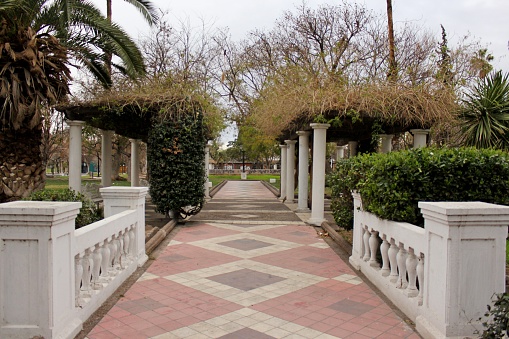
{"x":485,"y":113}
{"x":38,"y":41}
{"x":392,"y":74}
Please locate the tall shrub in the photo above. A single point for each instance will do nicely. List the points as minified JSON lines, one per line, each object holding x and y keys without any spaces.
{"x":176,"y":161}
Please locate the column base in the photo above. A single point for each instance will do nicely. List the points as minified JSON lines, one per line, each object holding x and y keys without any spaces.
{"x":302,"y":210}
{"x":316,"y":221}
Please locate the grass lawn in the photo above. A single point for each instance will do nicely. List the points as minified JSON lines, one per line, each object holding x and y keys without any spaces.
{"x":62,"y":182}
{"x":218,"y":178}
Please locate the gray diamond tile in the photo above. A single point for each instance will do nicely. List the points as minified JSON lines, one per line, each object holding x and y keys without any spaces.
{"x":246,"y":279}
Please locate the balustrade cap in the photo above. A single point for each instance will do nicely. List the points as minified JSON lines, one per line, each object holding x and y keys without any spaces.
{"x":124,"y":191}
{"x":43,"y":208}
{"x":466,"y":213}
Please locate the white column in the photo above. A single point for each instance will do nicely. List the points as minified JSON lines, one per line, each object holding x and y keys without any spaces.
{"x":303,"y":171}
{"x":75,"y":154}
{"x":465,"y":265}
{"x":419,"y":137}
{"x":284,"y":149}
{"x":352,"y":148}
{"x":37,"y":277}
{"x":207,"y":157}
{"x":318,"y":186}
{"x":290,"y":171}
{"x":340,"y":152}
{"x":106,"y":158}
{"x":120,"y":199}
{"x":386,"y":142}
{"x":135,"y":162}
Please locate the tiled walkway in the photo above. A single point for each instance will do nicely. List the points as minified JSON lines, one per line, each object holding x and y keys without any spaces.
{"x":249,"y":276}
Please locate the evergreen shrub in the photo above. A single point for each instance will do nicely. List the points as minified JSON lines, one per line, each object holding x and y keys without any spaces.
{"x":392,"y":184}
{"x":176,"y":159}
{"x":89,"y":212}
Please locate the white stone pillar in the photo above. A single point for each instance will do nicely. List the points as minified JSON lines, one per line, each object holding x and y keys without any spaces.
{"x":37,"y":270}
{"x":290,"y":171}
{"x":340,"y":152}
{"x":386,"y":142}
{"x":318,"y":186}
{"x":464,"y":267}
{"x":135,"y":162}
{"x":282,"y":190}
{"x":75,"y":154}
{"x":207,"y":159}
{"x":419,"y":137}
{"x":352,"y":148}
{"x":303,"y":171}
{"x":106,"y":147}
{"x":120,"y":199}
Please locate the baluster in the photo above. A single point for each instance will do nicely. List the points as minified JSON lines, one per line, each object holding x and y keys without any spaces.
{"x":420,"y":276}
{"x":393,"y":251}
{"x":96,"y":260}
{"x":87,"y":274}
{"x":132,"y":242}
{"x":126,"y":245}
{"x":113,"y":254}
{"x":384,"y":248}
{"x":366,"y":237}
{"x":411,"y":266}
{"x":401,"y":257}
{"x":118,"y":256}
{"x":105,"y":261}
{"x":373,"y":246}
{"x":78,"y":275}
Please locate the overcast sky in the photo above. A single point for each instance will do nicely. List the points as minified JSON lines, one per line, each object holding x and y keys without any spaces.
{"x":487,"y":20}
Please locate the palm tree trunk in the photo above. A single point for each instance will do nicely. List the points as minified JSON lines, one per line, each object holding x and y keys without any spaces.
{"x":22,"y":170}
{"x":393,"y":71}
{"x":109,"y":15}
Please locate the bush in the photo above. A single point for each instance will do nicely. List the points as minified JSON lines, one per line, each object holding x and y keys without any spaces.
{"x":89,"y":212}
{"x":176,"y":158}
{"x":391,"y":185}
{"x":496,"y":325}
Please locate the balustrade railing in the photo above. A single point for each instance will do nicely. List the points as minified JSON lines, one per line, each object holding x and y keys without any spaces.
{"x":67,"y":274}
{"x":441,"y":276}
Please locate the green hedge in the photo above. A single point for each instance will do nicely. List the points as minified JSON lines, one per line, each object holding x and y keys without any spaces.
{"x":391,"y":185}
{"x":176,"y":159}
{"x":89,"y":212}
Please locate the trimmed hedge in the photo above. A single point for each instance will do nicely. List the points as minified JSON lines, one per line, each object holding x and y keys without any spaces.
{"x":176,"y":158}
{"x":89,"y":212}
{"x":391,"y":185}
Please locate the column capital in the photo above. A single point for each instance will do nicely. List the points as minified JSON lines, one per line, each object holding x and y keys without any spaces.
{"x":319,"y":126}
{"x":75,"y":123}
{"x":283,"y":146}
{"x":303,"y":133}
{"x":290,"y":142}
{"x":340,"y":147}
{"x":134,"y":140}
{"x":419,"y":131}
{"x":106,"y":131}
{"x":387,"y":136}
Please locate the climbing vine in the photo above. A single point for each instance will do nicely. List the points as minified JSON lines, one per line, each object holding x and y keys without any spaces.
{"x":176,"y":161}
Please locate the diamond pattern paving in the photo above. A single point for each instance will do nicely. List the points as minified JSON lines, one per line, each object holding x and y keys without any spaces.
{"x":249,"y":278}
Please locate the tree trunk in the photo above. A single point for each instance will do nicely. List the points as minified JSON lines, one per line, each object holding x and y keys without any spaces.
{"x":393,"y":67}
{"x":21,"y":168}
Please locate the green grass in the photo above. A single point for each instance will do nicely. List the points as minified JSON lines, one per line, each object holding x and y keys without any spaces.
{"x":218,"y":178}
{"x":62,"y":182}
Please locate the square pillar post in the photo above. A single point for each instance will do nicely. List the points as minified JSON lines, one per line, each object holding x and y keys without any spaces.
{"x":207,"y":160}
{"x":318,"y":185}
{"x":386,"y":142}
{"x":135,"y":162}
{"x":464,"y":267}
{"x":37,"y":270}
{"x":106,"y":147}
{"x":303,"y":171}
{"x":419,"y":137}
{"x":75,"y":127}
{"x":290,"y":171}
{"x":282,"y":189}
{"x":119,"y":199}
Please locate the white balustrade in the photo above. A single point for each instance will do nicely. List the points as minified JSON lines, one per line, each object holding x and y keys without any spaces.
{"x":437,"y":275}
{"x":65,"y":274}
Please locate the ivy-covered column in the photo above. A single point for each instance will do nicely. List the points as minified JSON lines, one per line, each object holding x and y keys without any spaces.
{"x":318,"y":185}
{"x":290,"y":171}
{"x":386,"y":142}
{"x":303,"y":171}
{"x":135,"y":163}
{"x":106,"y":158}
{"x":75,"y":127}
{"x":207,"y":160}
{"x":420,"y":136}
{"x":282,"y":189}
